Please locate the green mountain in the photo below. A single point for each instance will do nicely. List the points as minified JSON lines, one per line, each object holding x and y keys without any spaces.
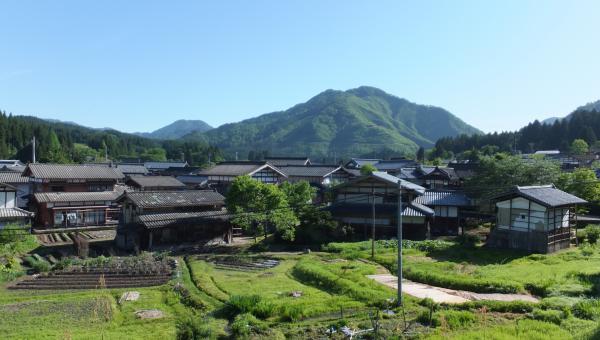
{"x":67,"y":142}
{"x":593,"y":106}
{"x":358,"y":122}
{"x":177,"y":129}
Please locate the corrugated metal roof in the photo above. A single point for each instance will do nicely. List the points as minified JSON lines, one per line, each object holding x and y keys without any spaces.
{"x":546,"y":195}
{"x":394,"y":180}
{"x":445,"y":198}
{"x":157,"y":199}
{"x":162,"y":220}
{"x":16,"y":213}
{"x":156,"y":181}
{"x":89,"y":196}
{"x":13,"y":177}
{"x":72,"y":171}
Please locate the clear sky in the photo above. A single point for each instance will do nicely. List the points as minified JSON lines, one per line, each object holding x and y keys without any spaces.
{"x":139,"y":65}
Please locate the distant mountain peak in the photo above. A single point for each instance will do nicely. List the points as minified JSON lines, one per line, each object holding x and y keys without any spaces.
{"x":360,"y":121}
{"x":177,"y":129}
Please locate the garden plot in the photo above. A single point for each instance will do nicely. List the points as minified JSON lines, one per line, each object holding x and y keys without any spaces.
{"x":243,"y":263}
{"x":103,"y":273}
{"x":60,"y":239}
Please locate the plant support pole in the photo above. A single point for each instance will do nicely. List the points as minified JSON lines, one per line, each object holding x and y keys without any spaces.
{"x":399,"y":243}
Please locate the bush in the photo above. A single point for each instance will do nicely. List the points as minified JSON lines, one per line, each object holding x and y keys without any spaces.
{"x":39,"y":266}
{"x":428,"y":319}
{"x":193,"y":329}
{"x":458,"y":319}
{"x":187,"y":298}
{"x":453,"y":281}
{"x":587,"y":309}
{"x":252,"y":304}
{"x":497,"y":306}
{"x":244,"y":324}
{"x":291,"y":313}
{"x":593,"y":233}
{"x":550,"y":315}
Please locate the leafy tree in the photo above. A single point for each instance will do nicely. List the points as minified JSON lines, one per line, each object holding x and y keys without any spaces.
{"x":421,"y":154}
{"x":298,"y":194}
{"x":54,"y":153}
{"x":581,"y":183}
{"x":258,"y":205}
{"x":579,"y":147}
{"x":83,"y":153}
{"x":501,"y":172}
{"x":367,"y":169}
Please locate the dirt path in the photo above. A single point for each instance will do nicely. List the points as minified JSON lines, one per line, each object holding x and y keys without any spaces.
{"x":444,"y":295}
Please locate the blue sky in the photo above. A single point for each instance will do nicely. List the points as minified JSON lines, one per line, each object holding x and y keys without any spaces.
{"x":139,"y":65}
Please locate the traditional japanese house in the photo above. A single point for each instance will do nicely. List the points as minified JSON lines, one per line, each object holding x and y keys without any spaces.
{"x":357,"y":163}
{"x":159,"y":167}
{"x":448,"y":206}
{"x":9,"y":207}
{"x":94,"y":210}
{"x":21,"y":185}
{"x":172,"y":217}
{"x":155,"y":183}
{"x":127,"y":169}
{"x":221,"y":175}
{"x":288,"y":161}
{"x":72,"y":178}
{"x":534,"y":218}
{"x":373,"y":199}
{"x":317,"y":175}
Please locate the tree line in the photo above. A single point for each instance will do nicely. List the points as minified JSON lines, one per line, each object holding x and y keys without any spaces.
{"x":69,"y":143}
{"x":584,"y":125}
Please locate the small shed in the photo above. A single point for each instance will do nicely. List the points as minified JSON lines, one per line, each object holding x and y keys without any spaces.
{"x":534,"y":218}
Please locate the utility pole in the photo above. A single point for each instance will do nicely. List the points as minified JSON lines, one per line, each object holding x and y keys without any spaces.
{"x":33,"y":149}
{"x":399,"y":243}
{"x":373,"y":225}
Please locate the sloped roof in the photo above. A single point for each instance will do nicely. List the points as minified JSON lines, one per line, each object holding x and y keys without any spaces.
{"x":546,"y":195}
{"x":389,"y":179}
{"x":411,"y":209}
{"x":88,"y":196}
{"x":159,"y":199}
{"x":164,"y":165}
{"x":14,"y":213}
{"x":394,"y":164}
{"x":239,"y":168}
{"x":156,"y":181}
{"x":72,"y":171}
{"x":310,"y":171}
{"x":152,"y":221}
{"x":444,"y":197}
{"x":126,"y":168}
{"x":282,"y":161}
{"x":360,"y":162}
{"x":13,"y":177}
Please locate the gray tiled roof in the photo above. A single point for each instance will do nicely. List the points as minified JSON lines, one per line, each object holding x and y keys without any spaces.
{"x":72,"y":171}
{"x":360,"y":162}
{"x":309,"y":171}
{"x":238,"y":169}
{"x":13,"y":177}
{"x":158,"y":199}
{"x":397,"y":164}
{"x":394,"y":180}
{"x":282,"y":161}
{"x":14,"y":213}
{"x":546,"y":195}
{"x":156,"y":181}
{"x":445,"y":198}
{"x":88,"y":196}
{"x":162,"y":220}
{"x":164,"y":165}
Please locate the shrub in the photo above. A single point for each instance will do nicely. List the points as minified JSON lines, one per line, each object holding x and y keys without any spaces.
{"x":187,"y":298}
{"x":428,"y":319}
{"x":458,"y":319}
{"x":581,"y":236}
{"x":193,"y":329}
{"x":587,"y":309}
{"x":497,"y":306}
{"x":291,"y":313}
{"x":39,"y":266}
{"x":593,"y":233}
{"x":253,"y":304}
{"x":244,"y":324}
{"x":550,"y":315}
{"x":461,"y":282}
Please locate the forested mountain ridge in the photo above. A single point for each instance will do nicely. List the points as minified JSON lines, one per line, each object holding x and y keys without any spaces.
{"x":358,"y":122}
{"x":177,"y":129}
{"x":581,"y":124}
{"x":66,"y":142}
